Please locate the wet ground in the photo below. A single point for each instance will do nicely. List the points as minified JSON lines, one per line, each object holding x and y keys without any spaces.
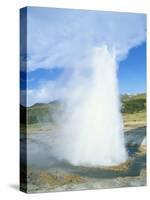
{"x":46,"y":173}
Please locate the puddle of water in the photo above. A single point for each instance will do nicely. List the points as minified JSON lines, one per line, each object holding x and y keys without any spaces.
{"x":39,"y":156}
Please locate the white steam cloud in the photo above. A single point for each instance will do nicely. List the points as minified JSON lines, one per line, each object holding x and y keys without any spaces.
{"x":88,"y":45}
{"x":92,"y":129}
{"x":65,"y":38}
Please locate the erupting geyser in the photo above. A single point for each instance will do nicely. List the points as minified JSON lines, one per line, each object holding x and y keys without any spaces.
{"x":93,"y":130}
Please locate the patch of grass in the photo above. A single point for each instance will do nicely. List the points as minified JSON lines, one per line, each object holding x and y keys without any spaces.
{"x":42,"y":127}
{"x":71,"y":178}
{"x":48,"y":179}
{"x":122,"y":167}
{"x":55,"y":180}
{"x":134,"y":117}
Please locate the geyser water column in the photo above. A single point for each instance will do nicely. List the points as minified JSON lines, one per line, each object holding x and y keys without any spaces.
{"x":93,"y":131}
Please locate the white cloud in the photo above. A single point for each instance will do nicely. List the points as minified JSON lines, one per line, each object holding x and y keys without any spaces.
{"x":61,"y":37}
{"x":65,"y":38}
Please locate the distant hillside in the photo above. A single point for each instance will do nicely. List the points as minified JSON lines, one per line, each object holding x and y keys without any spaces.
{"x":42,"y":112}
{"x":45,"y":112}
{"x":133,"y":103}
{"x":43,"y":104}
{"x":39,"y":112}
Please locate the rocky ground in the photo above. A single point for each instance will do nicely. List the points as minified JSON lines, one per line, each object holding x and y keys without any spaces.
{"x":46,"y":174}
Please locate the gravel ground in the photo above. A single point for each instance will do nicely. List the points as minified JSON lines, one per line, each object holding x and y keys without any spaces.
{"x":46,"y":174}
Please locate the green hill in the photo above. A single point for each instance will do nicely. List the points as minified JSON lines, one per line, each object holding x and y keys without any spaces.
{"x":39,"y":112}
{"x":133,"y":103}
{"x":42,"y":112}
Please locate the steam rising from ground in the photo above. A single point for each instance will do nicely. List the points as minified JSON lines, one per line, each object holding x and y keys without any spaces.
{"x":63,"y":39}
{"x":92,"y":132}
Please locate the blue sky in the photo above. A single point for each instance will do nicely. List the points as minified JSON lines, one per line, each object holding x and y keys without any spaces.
{"x":132,"y":71}
{"x":59,"y":42}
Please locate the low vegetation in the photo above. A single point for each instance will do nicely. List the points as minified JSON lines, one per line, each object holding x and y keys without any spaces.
{"x":133,"y":103}
{"x":133,"y":107}
{"x":46,"y":179}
